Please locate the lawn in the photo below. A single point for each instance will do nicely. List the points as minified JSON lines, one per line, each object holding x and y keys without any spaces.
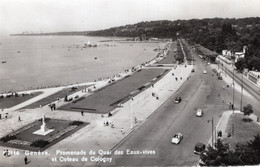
{"x":51,"y":98}
{"x":243,"y":131}
{"x":108,"y":98}
{"x":8,"y":102}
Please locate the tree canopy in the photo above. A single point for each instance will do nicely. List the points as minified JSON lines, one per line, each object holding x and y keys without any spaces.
{"x":222,"y":155}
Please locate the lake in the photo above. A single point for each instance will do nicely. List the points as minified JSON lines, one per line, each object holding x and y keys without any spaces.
{"x":47,"y":61}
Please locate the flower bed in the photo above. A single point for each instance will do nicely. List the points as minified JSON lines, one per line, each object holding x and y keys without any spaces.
{"x":20,"y":142}
{"x":24,"y":128}
{"x":58,"y":135}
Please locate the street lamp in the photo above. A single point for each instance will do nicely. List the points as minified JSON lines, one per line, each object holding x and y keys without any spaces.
{"x":131,"y":99}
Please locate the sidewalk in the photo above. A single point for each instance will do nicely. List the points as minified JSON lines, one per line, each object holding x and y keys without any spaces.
{"x":231,"y":67}
{"x":223,"y":122}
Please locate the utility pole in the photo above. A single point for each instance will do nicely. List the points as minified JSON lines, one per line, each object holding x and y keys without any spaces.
{"x":212,"y":132}
{"x":242,"y":87}
{"x":233,"y":105}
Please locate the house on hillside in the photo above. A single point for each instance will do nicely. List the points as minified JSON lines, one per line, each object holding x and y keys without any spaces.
{"x":227,"y":53}
{"x":254,"y":76}
{"x":238,"y":55}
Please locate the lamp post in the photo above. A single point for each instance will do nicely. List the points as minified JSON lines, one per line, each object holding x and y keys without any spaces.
{"x":131,"y":112}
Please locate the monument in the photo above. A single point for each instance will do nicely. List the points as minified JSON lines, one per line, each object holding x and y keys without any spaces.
{"x":43,"y":130}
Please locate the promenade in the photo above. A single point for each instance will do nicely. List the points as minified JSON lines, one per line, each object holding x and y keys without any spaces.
{"x":95,"y":136}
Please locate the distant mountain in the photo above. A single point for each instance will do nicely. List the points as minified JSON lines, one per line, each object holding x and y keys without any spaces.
{"x":172,"y":29}
{"x":77,"y":33}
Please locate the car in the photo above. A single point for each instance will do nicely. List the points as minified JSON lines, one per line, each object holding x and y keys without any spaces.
{"x":177,"y":100}
{"x":193,"y":70}
{"x":199,"y":112}
{"x":177,"y":138}
{"x":204,"y":72}
{"x":220,"y":77}
{"x":199,"y":148}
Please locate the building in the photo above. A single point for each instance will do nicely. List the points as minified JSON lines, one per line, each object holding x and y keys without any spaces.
{"x":227,"y":53}
{"x":254,"y":76}
{"x":237,"y":55}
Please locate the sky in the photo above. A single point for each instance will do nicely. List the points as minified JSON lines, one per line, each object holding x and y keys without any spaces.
{"x":17,"y":16}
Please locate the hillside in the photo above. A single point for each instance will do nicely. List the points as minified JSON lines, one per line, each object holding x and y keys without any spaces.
{"x":215,"y":34}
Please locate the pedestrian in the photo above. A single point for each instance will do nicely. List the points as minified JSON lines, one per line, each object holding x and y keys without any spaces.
{"x":122,"y":130}
{"x":19,"y":119}
{"x":25,"y":160}
{"x":82,"y":113}
{"x":4,"y":153}
{"x":109,"y":114}
{"x":112,"y":124}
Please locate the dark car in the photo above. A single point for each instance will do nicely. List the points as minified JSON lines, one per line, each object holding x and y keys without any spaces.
{"x":177,"y":100}
{"x":199,"y":148}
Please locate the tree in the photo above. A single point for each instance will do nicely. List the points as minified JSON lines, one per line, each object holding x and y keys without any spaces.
{"x":241,"y":64}
{"x":243,"y":154}
{"x":248,"y":109}
{"x":255,"y":144}
{"x":215,"y":156}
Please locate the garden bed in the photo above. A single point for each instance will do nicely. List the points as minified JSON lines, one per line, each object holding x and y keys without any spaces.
{"x":24,"y":138}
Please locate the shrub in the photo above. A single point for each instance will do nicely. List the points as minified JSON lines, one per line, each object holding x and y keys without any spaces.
{"x":7,"y":138}
{"x":78,"y":123}
{"x":39,"y":143}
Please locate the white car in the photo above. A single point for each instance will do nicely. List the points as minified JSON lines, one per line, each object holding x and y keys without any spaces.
{"x":199,"y":113}
{"x":177,"y":138}
{"x":204,"y":72}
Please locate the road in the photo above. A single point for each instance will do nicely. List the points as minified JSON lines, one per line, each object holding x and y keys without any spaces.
{"x":154,"y":135}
